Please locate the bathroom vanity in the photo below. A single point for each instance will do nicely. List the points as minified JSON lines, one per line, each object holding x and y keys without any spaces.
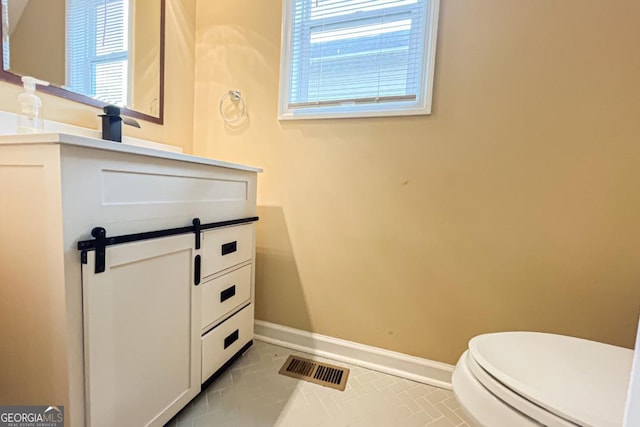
{"x":126,"y":273}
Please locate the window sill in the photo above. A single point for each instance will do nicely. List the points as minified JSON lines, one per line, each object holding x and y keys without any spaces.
{"x":353,"y":111}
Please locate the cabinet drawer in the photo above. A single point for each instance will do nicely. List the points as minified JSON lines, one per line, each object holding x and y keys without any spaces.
{"x":224,"y":293}
{"x":225,"y":247}
{"x":221,"y":343}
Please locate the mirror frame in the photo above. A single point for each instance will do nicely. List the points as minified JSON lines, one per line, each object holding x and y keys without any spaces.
{"x":16,"y":79}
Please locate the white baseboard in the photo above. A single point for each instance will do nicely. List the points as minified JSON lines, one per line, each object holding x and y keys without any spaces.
{"x":390,"y":362}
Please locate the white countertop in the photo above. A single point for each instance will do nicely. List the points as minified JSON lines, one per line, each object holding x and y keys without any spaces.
{"x":100,"y":144}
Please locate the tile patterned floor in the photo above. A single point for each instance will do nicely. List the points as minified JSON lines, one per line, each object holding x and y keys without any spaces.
{"x":253,"y":394}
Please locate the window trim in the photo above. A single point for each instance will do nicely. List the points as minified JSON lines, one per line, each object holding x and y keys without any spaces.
{"x":420,"y":106}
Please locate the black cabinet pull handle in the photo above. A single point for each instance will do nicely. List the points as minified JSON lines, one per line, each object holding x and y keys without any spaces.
{"x":229,"y":248}
{"x":227,"y":293}
{"x":197,"y":267}
{"x":231,"y":339}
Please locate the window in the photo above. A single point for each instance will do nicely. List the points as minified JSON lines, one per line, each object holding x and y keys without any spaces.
{"x":357,"y":58}
{"x":98,"y":49}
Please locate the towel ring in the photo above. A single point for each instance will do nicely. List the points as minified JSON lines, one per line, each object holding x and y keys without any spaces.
{"x":235,"y":97}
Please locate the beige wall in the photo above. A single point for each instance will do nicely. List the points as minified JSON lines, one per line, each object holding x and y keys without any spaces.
{"x":515,"y":205}
{"x":29,"y":47}
{"x":179,"y":84}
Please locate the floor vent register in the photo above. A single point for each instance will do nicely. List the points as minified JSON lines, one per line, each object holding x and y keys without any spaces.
{"x":315,"y":372}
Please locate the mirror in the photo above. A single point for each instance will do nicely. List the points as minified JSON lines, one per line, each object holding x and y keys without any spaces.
{"x":97,"y":52}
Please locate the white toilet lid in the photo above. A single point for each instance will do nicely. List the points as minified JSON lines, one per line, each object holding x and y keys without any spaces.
{"x":582,"y":381}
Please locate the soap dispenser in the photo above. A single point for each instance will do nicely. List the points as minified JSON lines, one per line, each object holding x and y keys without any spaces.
{"x":30,"y":115}
{"x":112,"y":123}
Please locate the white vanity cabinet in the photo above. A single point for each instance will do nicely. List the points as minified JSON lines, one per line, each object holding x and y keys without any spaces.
{"x":159,"y":299}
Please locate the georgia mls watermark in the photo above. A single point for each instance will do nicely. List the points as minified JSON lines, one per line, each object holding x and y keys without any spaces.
{"x":31,"y":416}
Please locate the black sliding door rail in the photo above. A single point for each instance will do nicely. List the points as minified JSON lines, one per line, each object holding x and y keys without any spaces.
{"x":101,"y":241}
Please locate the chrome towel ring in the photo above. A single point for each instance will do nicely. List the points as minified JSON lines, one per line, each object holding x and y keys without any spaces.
{"x":236,"y":98}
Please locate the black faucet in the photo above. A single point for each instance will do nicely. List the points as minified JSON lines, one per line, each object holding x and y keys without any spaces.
{"x":112,"y":123}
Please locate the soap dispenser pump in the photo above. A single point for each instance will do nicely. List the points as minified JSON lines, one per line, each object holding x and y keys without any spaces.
{"x":30,"y":115}
{"x":112,"y":123}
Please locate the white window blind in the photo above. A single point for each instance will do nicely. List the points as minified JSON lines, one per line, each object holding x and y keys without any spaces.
{"x":357,"y":57}
{"x":5,"y":35}
{"x":98,"y":49}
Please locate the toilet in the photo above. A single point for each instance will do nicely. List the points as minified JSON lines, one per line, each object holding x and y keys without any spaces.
{"x":536,"y":379}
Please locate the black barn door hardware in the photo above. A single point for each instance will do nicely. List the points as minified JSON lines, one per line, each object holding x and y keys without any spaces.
{"x":196,"y":230}
{"x":100,"y":235}
{"x":100,"y":240}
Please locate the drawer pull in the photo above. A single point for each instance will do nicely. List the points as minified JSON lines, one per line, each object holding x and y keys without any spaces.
{"x":228,"y":293}
{"x":231,"y":339}
{"x":229,"y":248}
